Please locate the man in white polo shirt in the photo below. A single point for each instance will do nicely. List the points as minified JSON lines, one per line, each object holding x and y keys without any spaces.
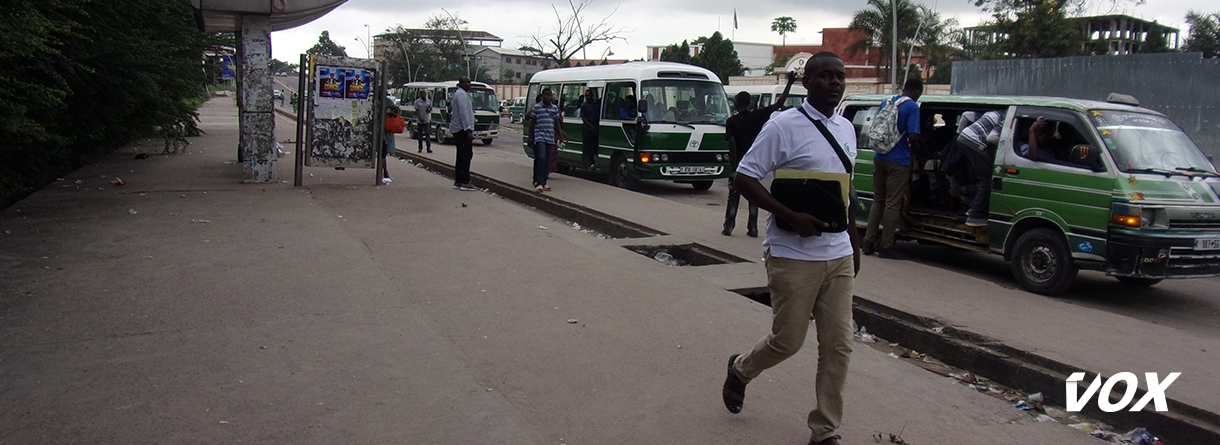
{"x":808,"y":271}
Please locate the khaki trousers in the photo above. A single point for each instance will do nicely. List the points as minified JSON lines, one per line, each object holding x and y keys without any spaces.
{"x":798,"y":289}
{"x":891,"y":181}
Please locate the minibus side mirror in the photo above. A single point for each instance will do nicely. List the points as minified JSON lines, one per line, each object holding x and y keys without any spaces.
{"x":1087,"y":156}
{"x":643,"y":107}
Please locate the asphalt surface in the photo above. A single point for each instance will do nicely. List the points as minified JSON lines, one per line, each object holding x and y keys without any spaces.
{"x":187,"y":307}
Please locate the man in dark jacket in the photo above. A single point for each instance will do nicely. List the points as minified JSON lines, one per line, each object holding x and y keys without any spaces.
{"x":740,"y":130}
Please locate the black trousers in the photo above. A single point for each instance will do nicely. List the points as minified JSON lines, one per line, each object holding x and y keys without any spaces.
{"x":590,"y":143}
{"x":465,"y":152}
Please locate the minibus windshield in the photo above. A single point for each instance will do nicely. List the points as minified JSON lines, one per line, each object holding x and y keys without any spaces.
{"x":1141,"y":142}
{"x":685,"y":101}
{"x":484,"y":100}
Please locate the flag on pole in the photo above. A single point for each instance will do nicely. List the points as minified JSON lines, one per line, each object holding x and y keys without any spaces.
{"x":734,"y":18}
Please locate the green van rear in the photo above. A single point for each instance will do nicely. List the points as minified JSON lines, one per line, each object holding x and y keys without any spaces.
{"x":1127,"y":193}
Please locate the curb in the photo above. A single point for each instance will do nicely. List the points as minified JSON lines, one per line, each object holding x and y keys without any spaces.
{"x":604,"y":223}
{"x":979,"y":354}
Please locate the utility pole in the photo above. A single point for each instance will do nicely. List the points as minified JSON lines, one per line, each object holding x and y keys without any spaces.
{"x":894,"y":49}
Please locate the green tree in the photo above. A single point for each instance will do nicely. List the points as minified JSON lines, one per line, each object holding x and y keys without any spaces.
{"x":281,"y":68}
{"x":1204,"y":34}
{"x":436,"y":51}
{"x":784,"y":25}
{"x":876,"y":21}
{"x":1156,"y":42}
{"x":719,"y":56}
{"x":677,"y":53}
{"x":84,"y":77}
{"x":326,"y":47}
{"x":1037,"y":29}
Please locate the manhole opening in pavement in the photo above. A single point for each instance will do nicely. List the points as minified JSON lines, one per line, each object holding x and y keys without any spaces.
{"x":685,"y":255}
{"x":758,"y":294}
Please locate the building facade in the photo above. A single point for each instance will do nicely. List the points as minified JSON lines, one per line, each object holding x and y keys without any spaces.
{"x":509,"y":66}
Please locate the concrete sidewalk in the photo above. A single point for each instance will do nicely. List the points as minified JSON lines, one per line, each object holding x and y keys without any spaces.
{"x":186,"y":307}
{"x":1055,"y":329}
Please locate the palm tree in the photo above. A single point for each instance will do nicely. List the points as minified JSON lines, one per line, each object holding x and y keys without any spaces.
{"x":877,"y":23}
{"x":784,"y":25}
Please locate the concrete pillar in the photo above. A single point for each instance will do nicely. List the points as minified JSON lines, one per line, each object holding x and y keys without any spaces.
{"x":257,"y":144}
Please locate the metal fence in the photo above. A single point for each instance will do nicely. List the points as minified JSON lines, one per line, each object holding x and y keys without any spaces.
{"x":1184,"y":86}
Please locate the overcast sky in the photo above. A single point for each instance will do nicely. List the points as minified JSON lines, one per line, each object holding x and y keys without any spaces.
{"x":648,"y":22}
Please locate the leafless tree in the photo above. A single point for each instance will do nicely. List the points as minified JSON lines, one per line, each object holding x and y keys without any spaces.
{"x":572,"y":33}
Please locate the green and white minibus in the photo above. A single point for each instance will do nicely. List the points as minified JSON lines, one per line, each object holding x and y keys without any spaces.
{"x":1122,"y":191}
{"x":482,"y":97}
{"x":679,"y":137}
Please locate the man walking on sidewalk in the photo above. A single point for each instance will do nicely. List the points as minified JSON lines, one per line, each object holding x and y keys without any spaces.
{"x":808,"y":271}
{"x":423,"y":114}
{"x":741,"y":130}
{"x":542,"y":137}
{"x":892,"y":177}
{"x":461,"y":125}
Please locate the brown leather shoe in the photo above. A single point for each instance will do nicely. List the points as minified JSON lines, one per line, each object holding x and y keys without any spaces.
{"x":832,"y":440}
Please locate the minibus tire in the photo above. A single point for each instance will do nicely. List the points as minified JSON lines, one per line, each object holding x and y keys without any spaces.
{"x":1042,"y":263}
{"x":1139,"y":281}
{"x":437,"y":134}
{"x":620,"y":173}
{"x":487,"y":142}
{"x":702,"y":185}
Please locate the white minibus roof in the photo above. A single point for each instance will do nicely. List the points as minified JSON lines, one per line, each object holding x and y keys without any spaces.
{"x":629,"y":70}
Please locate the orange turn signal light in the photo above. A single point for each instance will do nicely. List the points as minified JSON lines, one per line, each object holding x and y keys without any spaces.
{"x":1125,"y":220}
{"x":645,"y":157}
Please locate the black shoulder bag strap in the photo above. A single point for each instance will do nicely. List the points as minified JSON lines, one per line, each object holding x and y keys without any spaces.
{"x":851,"y":194}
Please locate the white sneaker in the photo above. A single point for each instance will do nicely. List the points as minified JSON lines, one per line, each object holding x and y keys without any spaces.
{"x":539,"y":189}
{"x":386,"y":180}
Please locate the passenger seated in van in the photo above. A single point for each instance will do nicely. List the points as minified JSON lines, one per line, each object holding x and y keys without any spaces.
{"x":670,"y":115}
{"x":628,"y":109}
{"x":1041,"y":135}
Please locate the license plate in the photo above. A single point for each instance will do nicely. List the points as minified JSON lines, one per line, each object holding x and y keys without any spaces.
{"x":691,"y":170}
{"x":1207,"y":244}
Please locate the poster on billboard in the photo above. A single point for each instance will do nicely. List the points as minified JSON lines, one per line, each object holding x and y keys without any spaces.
{"x":343,"y":113}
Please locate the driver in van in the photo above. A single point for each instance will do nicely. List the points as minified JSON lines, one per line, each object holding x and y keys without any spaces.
{"x":1041,"y":135}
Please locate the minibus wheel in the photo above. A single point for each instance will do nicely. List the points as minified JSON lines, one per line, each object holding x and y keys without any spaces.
{"x":1041,"y":262}
{"x":487,"y":142}
{"x":1139,"y":281}
{"x":620,"y":173}
{"x":702,"y":185}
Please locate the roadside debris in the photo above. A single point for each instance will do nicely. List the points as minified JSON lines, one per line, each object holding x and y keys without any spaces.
{"x":864,"y":336}
{"x":541,"y":227}
{"x":200,"y":221}
{"x":118,"y":182}
{"x":665,"y":258}
{"x":572,"y":321}
{"x":131,"y":211}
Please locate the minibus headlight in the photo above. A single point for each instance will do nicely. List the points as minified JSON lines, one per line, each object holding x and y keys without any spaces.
{"x":662,"y":157}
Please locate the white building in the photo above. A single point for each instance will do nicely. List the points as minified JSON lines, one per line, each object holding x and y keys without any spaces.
{"x":497,"y":60}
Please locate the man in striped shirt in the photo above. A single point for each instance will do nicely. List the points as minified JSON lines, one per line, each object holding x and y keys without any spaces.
{"x":546,"y":118}
{"x":976,"y":147}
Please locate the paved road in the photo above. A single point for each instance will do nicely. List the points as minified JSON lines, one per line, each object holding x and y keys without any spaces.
{"x":1190,"y":305}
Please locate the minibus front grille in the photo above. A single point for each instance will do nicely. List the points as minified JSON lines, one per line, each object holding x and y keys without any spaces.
{"x":1194,"y":224}
{"x":686,"y":157}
